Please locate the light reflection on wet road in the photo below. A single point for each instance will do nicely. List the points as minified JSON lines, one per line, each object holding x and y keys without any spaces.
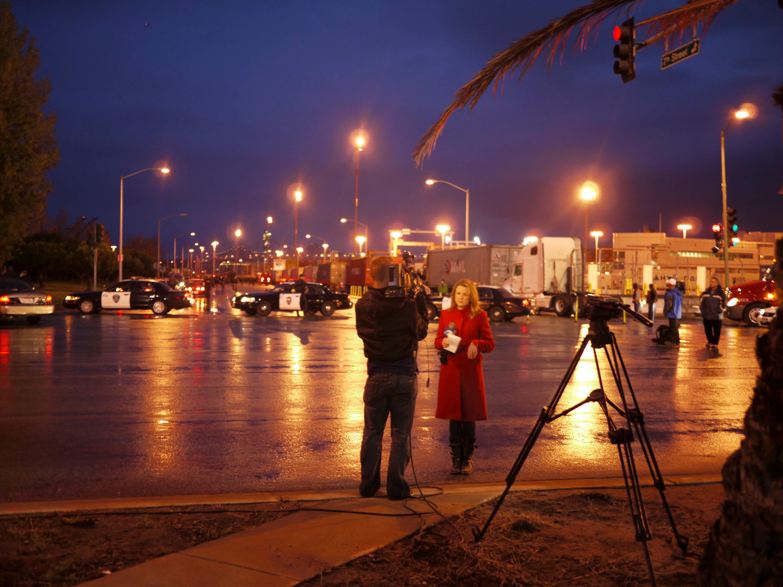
{"x":131,"y":404}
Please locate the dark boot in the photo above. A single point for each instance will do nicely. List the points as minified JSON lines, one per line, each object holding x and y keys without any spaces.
{"x":468,"y":446}
{"x":456,"y":458}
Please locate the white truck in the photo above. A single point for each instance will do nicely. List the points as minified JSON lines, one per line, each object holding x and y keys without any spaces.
{"x":548,"y":272}
{"x":551,"y":273}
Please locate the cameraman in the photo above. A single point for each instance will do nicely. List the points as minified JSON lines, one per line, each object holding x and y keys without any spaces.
{"x":390,"y":322}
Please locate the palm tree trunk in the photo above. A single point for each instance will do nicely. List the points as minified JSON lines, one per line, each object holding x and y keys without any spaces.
{"x":746,"y":543}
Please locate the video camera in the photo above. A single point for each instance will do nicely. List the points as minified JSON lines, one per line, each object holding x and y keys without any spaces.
{"x":604,"y":308}
{"x":402,"y":279}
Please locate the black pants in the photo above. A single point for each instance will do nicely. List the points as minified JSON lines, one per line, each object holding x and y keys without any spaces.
{"x":674,"y":325}
{"x":712,"y":330}
{"x":462,"y":434}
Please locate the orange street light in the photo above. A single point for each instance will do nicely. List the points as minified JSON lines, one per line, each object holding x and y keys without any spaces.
{"x":162,"y":170}
{"x":443,"y":229}
{"x":684,"y":228}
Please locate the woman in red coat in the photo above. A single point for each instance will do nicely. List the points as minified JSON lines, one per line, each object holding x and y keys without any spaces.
{"x":461,"y":395}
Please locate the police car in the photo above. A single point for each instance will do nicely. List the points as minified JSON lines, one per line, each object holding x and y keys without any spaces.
{"x":292,"y":297}
{"x":130,"y":294}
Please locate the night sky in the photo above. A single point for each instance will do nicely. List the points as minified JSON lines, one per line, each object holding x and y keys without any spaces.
{"x":245,"y":99}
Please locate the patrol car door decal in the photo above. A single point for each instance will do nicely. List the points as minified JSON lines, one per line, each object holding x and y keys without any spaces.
{"x":116,"y":300}
{"x":290,"y":301}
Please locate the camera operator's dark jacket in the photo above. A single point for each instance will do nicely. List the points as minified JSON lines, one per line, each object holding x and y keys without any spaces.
{"x":390,"y":328}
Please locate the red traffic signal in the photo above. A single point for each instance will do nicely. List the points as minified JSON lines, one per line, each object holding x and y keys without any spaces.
{"x":624,"y":51}
{"x":717,"y":228}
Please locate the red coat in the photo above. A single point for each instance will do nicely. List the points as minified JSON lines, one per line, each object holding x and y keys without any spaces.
{"x":461,"y":394}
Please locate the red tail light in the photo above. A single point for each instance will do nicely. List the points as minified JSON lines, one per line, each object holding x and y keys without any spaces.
{"x":5,"y":300}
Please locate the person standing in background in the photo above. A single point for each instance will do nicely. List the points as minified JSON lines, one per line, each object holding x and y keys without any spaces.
{"x":651,"y":298}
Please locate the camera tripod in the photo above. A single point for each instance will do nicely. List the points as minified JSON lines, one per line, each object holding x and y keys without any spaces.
{"x":600,"y":337}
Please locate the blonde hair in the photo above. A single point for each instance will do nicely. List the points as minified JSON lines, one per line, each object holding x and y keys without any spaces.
{"x":473,"y":298}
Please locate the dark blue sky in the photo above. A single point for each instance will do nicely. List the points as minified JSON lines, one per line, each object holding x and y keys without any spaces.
{"x":243,"y":99}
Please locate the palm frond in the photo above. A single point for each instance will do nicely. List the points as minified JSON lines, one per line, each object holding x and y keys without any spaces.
{"x":523,"y":53}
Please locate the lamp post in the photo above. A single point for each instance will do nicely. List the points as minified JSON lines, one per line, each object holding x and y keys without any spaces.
{"x":356,"y":225}
{"x":745,"y":112}
{"x":159,"y":221}
{"x":395,"y":235}
{"x":214,"y":254}
{"x":467,"y":202}
{"x":597,"y":234}
{"x":164,"y":171}
{"x":684,"y":228}
{"x":442,"y":229}
{"x":359,"y":142}
{"x":182,"y":257}
{"x":588,"y":192}
{"x":324,"y":246}
{"x":360,"y":240}
{"x":298,"y":197}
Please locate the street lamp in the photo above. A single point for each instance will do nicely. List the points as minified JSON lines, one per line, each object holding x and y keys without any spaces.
{"x":467,"y":202}
{"x":395,"y":235}
{"x":163,"y":170}
{"x":443,"y":229}
{"x":684,"y":228}
{"x":588,"y":192}
{"x":745,"y":112}
{"x":298,"y":197}
{"x":325,"y":246}
{"x":597,"y":234}
{"x":356,"y":225}
{"x":159,"y":221}
{"x":214,"y":254}
{"x":359,"y":142}
{"x":360,"y":240}
{"x":175,"y":249}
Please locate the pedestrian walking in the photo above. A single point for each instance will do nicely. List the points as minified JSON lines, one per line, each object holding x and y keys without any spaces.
{"x":637,"y":297}
{"x":463,"y":337}
{"x":672,"y":309}
{"x":390,"y":326}
{"x":651,"y":297}
{"x":712,"y":303}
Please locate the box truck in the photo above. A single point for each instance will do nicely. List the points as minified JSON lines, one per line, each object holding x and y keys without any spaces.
{"x":548,"y":272}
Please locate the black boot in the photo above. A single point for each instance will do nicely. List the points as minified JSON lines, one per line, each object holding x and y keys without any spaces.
{"x":456,"y":458}
{"x":468,"y":446}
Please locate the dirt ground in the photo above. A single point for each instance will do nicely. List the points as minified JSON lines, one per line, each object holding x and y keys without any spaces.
{"x":583,"y":538}
{"x":537,"y":538}
{"x":72,"y":548}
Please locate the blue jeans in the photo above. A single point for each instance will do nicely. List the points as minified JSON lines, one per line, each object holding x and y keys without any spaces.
{"x":384,"y":394}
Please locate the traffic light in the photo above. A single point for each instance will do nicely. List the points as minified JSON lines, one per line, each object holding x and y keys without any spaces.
{"x":717,"y":234}
{"x":731,"y":220}
{"x":624,"y":51}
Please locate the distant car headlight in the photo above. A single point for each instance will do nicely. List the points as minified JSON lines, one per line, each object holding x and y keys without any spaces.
{"x":246,"y":299}
{"x":732,"y":302}
{"x":71,"y":298}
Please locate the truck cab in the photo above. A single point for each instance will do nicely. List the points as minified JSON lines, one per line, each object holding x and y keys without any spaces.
{"x":551,"y":270}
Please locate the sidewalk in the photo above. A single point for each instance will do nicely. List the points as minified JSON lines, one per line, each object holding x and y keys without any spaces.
{"x":304,"y":544}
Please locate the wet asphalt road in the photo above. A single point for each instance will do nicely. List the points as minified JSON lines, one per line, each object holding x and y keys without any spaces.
{"x":128,"y":404}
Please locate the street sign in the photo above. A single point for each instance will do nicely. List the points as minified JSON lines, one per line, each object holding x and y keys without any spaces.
{"x":680,"y":54}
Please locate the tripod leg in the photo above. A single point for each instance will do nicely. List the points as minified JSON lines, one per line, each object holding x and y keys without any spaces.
{"x":633,"y":492}
{"x":543,"y":418}
{"x":636,"y":419}
{"x":512,"y":474}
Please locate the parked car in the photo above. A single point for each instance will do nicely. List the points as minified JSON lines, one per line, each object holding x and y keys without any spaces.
{"x":314,"y":297}
{"x":499,"y":303}
{"x":746,"y":301}
{"x":129,"y":294}
{"x":18,"y":299}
